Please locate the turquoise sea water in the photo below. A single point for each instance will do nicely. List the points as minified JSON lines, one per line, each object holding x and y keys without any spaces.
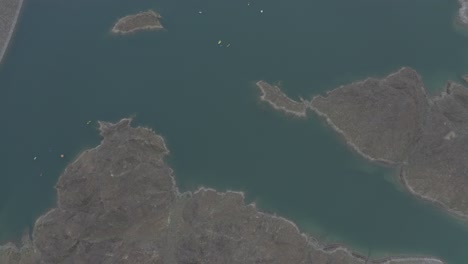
{"x":64,"y":68}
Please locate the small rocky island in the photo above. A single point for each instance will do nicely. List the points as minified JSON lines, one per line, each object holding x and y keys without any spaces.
{"x":394,"y":121}
{"x":149,"y":20}
{"x":465,"y":78}
{"x":119,"y":203}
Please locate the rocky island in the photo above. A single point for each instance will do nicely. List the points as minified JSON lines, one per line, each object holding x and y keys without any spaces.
{"x":9,"y":12}
{"x":149,"y":20}
{"x":119,"y":203}
{"x":394,"y":121}
{"x":465,"y":78}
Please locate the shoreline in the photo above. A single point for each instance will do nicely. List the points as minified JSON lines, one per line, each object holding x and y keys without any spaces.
{"x":432,"y":201}
{"x":12,"y":31}
{"x":402,"y":178}
{"x":347,"y":140}
{"x":309,"y":240}
{"x":123,"y":32}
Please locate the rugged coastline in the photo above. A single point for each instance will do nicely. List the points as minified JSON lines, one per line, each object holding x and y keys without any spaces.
{"x":148,"y":20}
{"x":392,"y":120}
{"x":119,"y":203}
{"x":9,"y":13}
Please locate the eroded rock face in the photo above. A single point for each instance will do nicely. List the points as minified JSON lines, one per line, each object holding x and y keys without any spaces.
{"x":118,"y":203}
{"x":393,"y":120}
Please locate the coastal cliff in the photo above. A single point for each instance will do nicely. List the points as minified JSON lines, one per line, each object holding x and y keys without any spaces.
{"x":119,"y":203}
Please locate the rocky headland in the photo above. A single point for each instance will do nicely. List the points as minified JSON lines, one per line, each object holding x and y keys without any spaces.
{"x":149,"y":20}
{"x":9,"y":12}
{"x":394,"y":121}
{"x":119,"y":203}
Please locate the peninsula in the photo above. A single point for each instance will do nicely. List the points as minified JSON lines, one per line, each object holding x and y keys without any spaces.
{"x":9,"y":12}
{"x":149,"y":20}
{"x":119,"y":203}
{"x":394,"y":121}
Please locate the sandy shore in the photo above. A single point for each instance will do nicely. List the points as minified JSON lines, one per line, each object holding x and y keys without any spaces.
{"x":9,"y":11}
